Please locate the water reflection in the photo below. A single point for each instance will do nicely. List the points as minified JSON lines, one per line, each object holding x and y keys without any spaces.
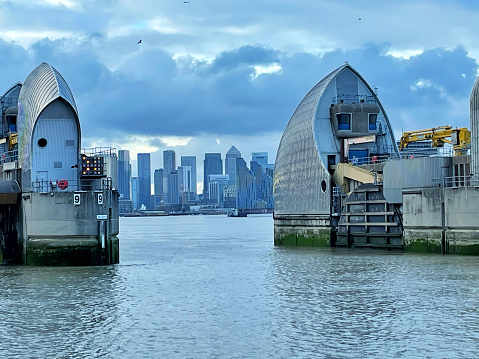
{"x":215,"y":287}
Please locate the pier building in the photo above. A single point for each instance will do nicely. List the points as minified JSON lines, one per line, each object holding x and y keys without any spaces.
{"x":340,"y":179}
{"x":58,"y":204}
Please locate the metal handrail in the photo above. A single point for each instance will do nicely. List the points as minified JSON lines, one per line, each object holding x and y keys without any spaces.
{"x":456,"y":181}
{"x":73,"y":185}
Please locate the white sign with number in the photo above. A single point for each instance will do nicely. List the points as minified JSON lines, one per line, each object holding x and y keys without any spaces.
{"x":76,"y":199}
{"x":100,"y":198}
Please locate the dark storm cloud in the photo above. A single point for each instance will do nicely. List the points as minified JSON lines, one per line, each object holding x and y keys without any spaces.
{"x":153,"y":94}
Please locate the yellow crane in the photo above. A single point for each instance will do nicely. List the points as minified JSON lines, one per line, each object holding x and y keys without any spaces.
{"x":459,"y":138}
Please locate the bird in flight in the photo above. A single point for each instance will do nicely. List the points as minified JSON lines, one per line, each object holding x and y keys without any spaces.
{"x":186,"y":2}
{"x":139,"y":42}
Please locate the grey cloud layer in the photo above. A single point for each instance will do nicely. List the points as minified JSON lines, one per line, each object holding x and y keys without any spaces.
{"x":153,"y":94}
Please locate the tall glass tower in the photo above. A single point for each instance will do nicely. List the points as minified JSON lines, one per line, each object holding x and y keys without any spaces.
{"x":190,"y":161}
{"x":144,"y":179}
{"x":169,"y":165}
{"x":213,"y":165}
{"x":230,"y":163}
{"x":124,"y":174}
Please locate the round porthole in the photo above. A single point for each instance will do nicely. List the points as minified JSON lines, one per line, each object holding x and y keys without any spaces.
{"x":42,"y":142}
{"x":323,"y":185}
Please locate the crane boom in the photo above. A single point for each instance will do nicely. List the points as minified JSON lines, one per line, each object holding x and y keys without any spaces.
{"x":459,"y":138}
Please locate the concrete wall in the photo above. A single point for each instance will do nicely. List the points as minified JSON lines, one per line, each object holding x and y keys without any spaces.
{"x":441,"y":220}
{"x":310,"y":231}
{"x":55,"y":231}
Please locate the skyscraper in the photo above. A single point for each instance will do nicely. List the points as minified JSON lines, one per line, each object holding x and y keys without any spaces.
{"x":124,"y":174}
{"x":173,"y":196}
{"x":158,"y":182}
{"x":191,"y":161}
{"x":184,"y":183}
{"x":134,"y":192}
{"x":144,"y":179}
{"x":230,"y":163}
{"x":260,"y":157}
{"x":169,"y":165}
{"x":213,"y":165}
{"x":158,"y":187}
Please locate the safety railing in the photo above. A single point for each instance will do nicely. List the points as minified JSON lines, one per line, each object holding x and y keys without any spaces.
{"x":402,"y":155}
{"x":99,"y":151}
{"x":100,"y":184}
{"x":354,"y":99}
{"x":10,"y":156}
{"x":457,"y":181}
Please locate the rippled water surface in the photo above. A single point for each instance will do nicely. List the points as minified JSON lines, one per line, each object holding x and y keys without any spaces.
{"x":215,"y":287}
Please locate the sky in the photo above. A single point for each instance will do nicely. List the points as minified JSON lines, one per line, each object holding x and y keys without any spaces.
{"x":211,"y":74}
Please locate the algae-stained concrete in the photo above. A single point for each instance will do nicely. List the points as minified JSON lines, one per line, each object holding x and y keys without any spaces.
{"x":422,"y":240}
{"x":300,"y":235}
{"x":463,"y":242}
{"x":62,"y":252}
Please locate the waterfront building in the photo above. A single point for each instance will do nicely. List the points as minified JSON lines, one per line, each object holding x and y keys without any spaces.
{"x":124,"y":174}
{"x":217,"y":184}
{"x":246,"y":186}
{"x":169,"y":165}
{"x":144,"y":179}
{"x":135,"y":193}
{"x":230,"y":163}
{"x":184,"y":183}
{"x":213,"y":165}
{"x":191,"y":162}
{"x":173,"y":193}
{"x":230,"y":196}
{"x":158,"y":187}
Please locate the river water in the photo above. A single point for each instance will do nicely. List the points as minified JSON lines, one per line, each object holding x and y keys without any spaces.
{"x":216,"y":287}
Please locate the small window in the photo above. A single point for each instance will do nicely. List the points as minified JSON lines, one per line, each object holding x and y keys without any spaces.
{"x":344,"y":121}
{"x":373,"y":117}
{"x":57,"y":164}
{"x":70,"y":143}
{"x":323,"y":186}
{"x":42,"y":142}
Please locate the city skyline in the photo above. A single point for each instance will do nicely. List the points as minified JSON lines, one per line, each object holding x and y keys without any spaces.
{"x":206,"y":75}
{"x":159,"y":164}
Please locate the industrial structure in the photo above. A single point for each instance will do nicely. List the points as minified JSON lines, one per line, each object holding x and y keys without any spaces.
{"x":340,"y":179}
{"x":58,"y":205}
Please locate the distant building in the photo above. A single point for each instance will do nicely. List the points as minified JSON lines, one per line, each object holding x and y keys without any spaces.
{"x":184,"y":183}
{"x":144,"y":179}
{"x":124,"y":174}
{"x":173,"y":195}
{"x":217,"y":184}
{"x":135,"y":192}
{"x":191,"y":161}
{"x":230,"y":163}
{"x":158,"y":187}
{"x":260,"y":157}
{"x":169,"y":165}
{"x":213,"y":165}
{"x":246,"y":185}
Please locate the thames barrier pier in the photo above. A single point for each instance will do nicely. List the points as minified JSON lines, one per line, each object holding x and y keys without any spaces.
{"x":342,"y":179}
{"x":58,"y":205}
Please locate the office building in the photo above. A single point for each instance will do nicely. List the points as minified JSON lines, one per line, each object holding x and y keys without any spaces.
{"x":191,"y":162}
{"x":184,"y":183}
{"x":135,"y":193}
{"x":230,"y":163}
{"x":124,"y":174}
{"x":144,"y":179}
{"x":260,"y":157}
{"x":213,"y":165}
{"x":169,"y":165}
{"x":217,"y":184}
{"x":158,"y":187}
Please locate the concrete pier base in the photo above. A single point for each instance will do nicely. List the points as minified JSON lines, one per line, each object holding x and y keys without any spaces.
{"x":308,"y":231}
{"x":69,"y":251}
